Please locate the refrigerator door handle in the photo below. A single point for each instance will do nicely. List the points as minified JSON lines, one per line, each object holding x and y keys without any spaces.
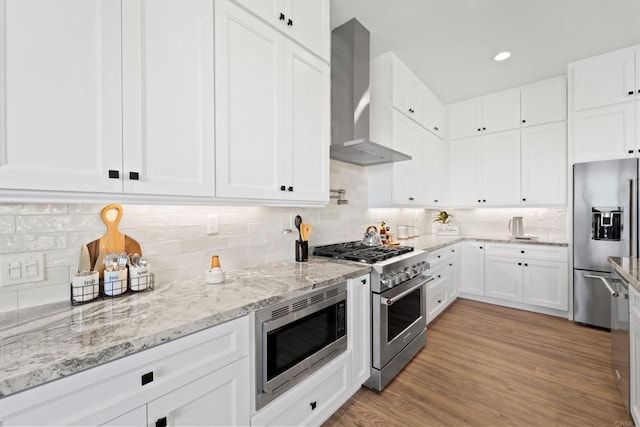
{"x":604,"y":280}
{"x":633,"y":212}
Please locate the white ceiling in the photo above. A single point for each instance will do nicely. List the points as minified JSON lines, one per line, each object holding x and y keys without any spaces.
{"x":450,"y":44}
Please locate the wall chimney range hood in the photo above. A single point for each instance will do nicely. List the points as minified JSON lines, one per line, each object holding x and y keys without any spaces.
{"x":350,"y":100}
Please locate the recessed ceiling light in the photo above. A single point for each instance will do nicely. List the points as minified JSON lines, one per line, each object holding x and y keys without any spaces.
{"x":502,"y":56}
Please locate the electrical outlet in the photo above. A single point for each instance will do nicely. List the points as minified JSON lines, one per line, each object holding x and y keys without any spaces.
{"x":21,"y":268}
{"x":213,"y":224}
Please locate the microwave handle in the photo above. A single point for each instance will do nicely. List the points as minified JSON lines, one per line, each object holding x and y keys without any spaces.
{"x":391,"y":301}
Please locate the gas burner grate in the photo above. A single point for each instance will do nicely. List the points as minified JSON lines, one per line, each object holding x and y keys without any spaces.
{"x":356,"y":251}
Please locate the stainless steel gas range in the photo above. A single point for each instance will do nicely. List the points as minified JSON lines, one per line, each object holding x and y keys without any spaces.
{"x":398,"y":303}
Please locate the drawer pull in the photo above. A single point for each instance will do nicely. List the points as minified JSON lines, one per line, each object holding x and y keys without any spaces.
{"x":161,"y":422}
{"x":363,"y":281}
{"x":114,"y":174}
{"x":147,"y":378}
{"x":313,"y":405}
{"x":521,"y":252}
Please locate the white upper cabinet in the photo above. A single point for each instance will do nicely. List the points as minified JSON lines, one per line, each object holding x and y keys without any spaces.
{"x":544,"y":164}
{"x":305,"y":21}
{"x":272,"y":113}
{"x":605,"y":79}
{"x":465,"y":172}
{"x":115,"y":102}
{"x":60,"y":95}
{"x":492,"y":113}
{"x":407,"y":180}
{"x":605,"y":133}
{"x":544,"y":102}
{"x":501,"y":168}
{"x":168,"y":126}
{"x":394,"y":86}
{"x":465,"y":118}
{"x":408,"y":93}
{"x":501,"y":111}
{"x":435,"y":170}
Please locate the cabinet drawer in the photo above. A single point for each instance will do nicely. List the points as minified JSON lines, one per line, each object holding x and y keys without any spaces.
{"x":94,"y":395}
{"x":439,"y":274}
{"x":436,"y":300}
{"x":313,"y":400}
{"x":544,"y":252}
{"x":439,"y":255}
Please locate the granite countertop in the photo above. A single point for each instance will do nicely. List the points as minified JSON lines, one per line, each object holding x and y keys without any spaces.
{"x":628,"y":268}
{"x":41,"y":344}
{"x":431,"y":242}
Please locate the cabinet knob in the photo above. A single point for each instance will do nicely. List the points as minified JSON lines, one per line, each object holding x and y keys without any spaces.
{"x":484,"y":200}
{"x":630,"y":151}
{"x":479,"y":129}
{"x":480,"y":247}
{"x":521,"y":252}
{"x":435,"y":201}
{"x":439,"y":301}
{"x":524,"y":121}
{"x":363,"y":281}
{"x":479,"y":200}
{"x":313,"y":405}
{"x":524,"y":200}
{"x":282,"y":16}
{"x":519,"y":263}
{"x":283,"y":188}
{"x":134,"y":176}
{"x":290,"y":188}
{"x":113,"y":174}
{"x":147,"y":378}
{"x":439,"y":276}
{"x":450,"y":265}
{"x":438,"y":256}
{"x":411,"y":198}
{"x":630,"y":93}
{"x":526,"y":265}
{"x":290,"y":23}
{"x":435,"y":128}
{"x":161,"y":422}
{"x":484,"y":128}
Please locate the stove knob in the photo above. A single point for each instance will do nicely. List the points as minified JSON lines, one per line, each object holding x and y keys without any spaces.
{"x":397,"y":278}
{"x":386,"y":281}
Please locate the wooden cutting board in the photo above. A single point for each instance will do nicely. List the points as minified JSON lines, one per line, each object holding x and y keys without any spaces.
{"x":114,"y":240}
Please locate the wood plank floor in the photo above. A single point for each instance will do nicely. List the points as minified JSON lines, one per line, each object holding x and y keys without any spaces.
{"x":486,"y":365}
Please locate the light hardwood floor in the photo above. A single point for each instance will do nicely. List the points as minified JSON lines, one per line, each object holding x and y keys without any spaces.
{"x":486,"y":365}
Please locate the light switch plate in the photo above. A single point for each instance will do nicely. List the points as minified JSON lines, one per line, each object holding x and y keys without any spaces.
{"x":213,"y":224}
{"x":16,"y":269}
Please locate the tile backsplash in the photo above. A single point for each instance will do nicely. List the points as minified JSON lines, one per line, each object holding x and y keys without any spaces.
{"x":175,"y":239}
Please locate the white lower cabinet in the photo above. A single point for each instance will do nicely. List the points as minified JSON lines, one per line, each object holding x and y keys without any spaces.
{"x":443,"y":290}
{"x":472,"y":271}
{"x":359,"y":329}
{"x":634,"y":353}
{"x":199,"y":379}
{"x":312,"y":401}
{"x":539,"y":279}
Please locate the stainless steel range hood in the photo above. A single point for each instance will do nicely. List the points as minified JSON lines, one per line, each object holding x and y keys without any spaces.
{"x":350,"y":100}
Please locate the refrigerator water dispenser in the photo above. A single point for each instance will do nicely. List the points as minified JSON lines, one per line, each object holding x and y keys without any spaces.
{"x":606,"y":223}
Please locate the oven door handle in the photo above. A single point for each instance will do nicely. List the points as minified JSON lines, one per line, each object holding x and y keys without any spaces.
{"x":391,"y":301}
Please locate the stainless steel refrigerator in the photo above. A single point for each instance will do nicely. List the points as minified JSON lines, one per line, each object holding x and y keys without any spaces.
{"x":605,"y":223}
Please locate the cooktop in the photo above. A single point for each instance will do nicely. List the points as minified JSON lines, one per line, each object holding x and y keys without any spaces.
{"x":356,"y":251}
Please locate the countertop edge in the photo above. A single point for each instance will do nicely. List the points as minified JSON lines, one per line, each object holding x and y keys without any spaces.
{"x":624,"y":272}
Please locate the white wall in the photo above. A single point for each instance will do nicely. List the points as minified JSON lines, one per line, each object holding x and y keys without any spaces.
{"x":174,"y":238}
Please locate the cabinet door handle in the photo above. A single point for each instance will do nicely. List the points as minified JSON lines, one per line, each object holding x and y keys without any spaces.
{"x":363,"y":281}
{"x":134,"y":176}
{"x":113,"y":174}
{"x":161,"y":422}
{"x":147,"y":378}
{"x":630,"y":151}
{"x":313,"y":405}
{"x":290,"y":23}
{"x":290,"y":188}
{"x":411,"y":198}
{"x":283,"y":188}
{"x":282,"y":16}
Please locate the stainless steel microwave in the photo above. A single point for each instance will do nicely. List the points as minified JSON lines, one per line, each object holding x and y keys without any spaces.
{"x":297,"y":337}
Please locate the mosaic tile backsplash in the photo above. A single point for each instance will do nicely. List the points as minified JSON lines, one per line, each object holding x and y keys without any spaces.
{"x":175,"y":239}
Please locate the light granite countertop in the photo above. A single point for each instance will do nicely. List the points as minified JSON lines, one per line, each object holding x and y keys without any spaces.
{"x":628,"y":268}
{"x":41,"y":344}
{"x":431,"y":242}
